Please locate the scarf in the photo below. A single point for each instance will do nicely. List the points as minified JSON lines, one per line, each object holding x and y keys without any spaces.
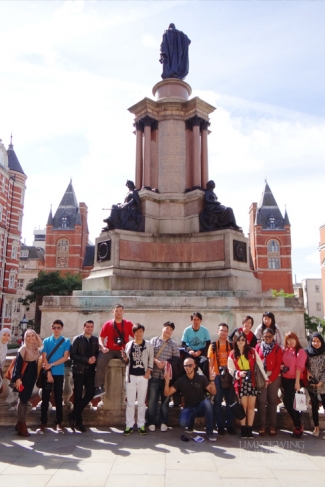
{"x":30,"y":351}
{"x":312,"y":351}
{"x":266,"y":349}
{"x":3,"y":347}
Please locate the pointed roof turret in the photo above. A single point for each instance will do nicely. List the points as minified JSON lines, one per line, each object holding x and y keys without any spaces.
{"x":13,"y":162}
{"x":66,"y":216}
{"x":268,"y":214}
{"x":50,"y":218}
{"x":286,"y":220}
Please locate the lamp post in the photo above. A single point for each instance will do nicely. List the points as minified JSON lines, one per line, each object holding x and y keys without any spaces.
{"x":23,"y":326}
{"x":320,"y":329}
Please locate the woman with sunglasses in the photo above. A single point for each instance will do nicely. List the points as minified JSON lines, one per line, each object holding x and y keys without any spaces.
{"x":293,"y":366}
{"x":268,"y":321}
{"x":24,"y":376}
{"x":316,"y":376}
{"x":271,"y":355}
{"x":241,"y":365}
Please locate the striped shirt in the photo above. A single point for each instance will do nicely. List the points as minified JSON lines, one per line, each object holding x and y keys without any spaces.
{"x":169,"y":351}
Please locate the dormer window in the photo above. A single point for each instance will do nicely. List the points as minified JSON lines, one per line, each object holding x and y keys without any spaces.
{"x":271,"y":223}
{"x":64,"y":222}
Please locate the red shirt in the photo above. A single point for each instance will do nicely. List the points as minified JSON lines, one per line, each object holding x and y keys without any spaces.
{"x":110,"y":333}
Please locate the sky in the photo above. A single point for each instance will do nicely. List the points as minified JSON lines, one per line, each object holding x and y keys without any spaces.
{"x":70,"y":70}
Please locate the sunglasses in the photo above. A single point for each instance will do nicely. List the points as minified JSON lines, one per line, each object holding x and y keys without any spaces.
{"x":56,"y":327}
{"x":188,"y":365}
{"x":241,"y":340}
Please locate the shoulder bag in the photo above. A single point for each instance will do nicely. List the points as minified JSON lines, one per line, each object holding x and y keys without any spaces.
{"x":41,"y":381}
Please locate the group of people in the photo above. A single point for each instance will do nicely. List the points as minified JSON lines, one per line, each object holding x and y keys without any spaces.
{"x":157,"y":369}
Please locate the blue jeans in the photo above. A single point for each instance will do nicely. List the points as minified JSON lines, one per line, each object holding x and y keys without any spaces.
{"x":204,"y":408}
{"x":218,"y":413}
{"x":156,"y":392}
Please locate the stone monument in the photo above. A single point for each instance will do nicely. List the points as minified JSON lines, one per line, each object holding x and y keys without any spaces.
{"x":187,"y":252}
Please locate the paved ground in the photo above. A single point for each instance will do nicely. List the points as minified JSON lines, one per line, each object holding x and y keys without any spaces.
{"x":103,"y":457}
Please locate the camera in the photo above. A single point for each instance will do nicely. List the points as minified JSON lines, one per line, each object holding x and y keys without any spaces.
{"x":118,"y":341}
{"x":312,"y":380}
{"x":248,"y":376}
{"x":285,"y":369}
{"x":222,"y":371}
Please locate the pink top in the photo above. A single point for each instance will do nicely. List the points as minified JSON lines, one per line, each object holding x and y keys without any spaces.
{"x":294,"y":362}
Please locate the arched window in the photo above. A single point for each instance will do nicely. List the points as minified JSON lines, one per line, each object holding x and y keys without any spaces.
{"x":273,"y":246}
{"x":273,"y":254}
{"x":62,"y":253}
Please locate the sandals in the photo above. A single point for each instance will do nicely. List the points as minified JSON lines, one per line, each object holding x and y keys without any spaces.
{"x":272,"y":432}
{"x":261,"y":432}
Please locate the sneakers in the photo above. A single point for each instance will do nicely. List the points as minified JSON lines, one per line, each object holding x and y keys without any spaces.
{"x":142,"y":430}
{"x":152,"y":427}
{"x":221,"y":431}
{"x":58,"y":428}
{"x":231,"y":430}
{"x":99,"y":391}
{"x":80,"y":427}
{"x":41,"y":429}
{"x":189,"y":429}
{"x":127,"y":431}
{"x":316,"y":433}
{"x":163,"y":427}
{"x":211,"y":437}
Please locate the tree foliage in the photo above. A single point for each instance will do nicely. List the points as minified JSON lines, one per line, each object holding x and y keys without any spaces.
{"x":50,"y":284}
{"x":312,"y":322}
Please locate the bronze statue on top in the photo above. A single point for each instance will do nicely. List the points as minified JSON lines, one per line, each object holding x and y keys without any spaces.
{"x":174,"y":53}
{"x":127,"y":215}
{"x":215,"y":216}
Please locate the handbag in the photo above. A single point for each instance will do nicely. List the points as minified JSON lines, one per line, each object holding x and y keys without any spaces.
{"x":259,"y":377}
{"x":11,"y":367}
{"x":299,"y":402}
{"x":237,"y":410}
{"x":41,"y":381}
{"x":236,"y":407}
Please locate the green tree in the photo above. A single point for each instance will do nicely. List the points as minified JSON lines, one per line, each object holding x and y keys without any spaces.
{"x":311,"y":323}
{"x":49,"y":284}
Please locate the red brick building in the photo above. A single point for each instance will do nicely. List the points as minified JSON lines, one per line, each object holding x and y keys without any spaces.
{"x":322,"y":259}
{"x":12,"y":193}
{"x":66,"y":242}
{"x":270,"y":243}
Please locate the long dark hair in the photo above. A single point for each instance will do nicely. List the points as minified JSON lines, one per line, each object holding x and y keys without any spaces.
{"x":272,"y":325}
{"x":236,"y":349}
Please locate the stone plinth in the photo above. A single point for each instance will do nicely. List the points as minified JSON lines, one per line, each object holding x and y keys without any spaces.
{"x":197,"y":261}
{"x":172,"y":89}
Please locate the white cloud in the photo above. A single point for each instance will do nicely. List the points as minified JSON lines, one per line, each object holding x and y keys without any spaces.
{"x":150,"y":41}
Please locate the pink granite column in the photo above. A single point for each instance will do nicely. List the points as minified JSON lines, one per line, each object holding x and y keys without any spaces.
{"x":139,"y":155}
{"x":196,"y":151}
{"x":147,"y":122}
{"x":204,"y":153}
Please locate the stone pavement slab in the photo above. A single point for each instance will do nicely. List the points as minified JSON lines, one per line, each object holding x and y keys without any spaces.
{"x":104,"y":457}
